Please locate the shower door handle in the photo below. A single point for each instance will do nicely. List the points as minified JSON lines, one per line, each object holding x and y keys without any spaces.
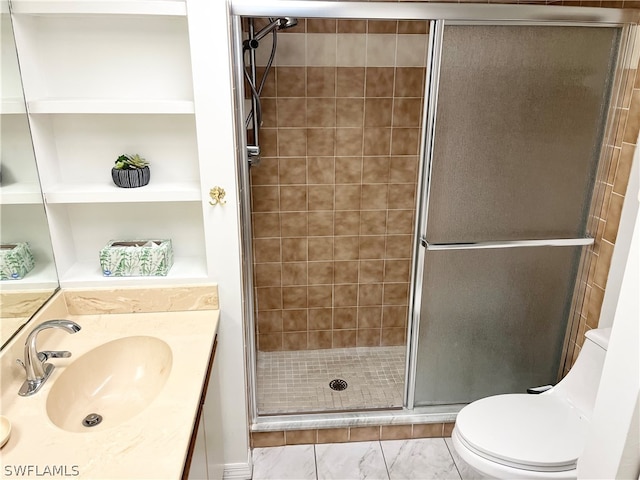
{"x":551,"y":242}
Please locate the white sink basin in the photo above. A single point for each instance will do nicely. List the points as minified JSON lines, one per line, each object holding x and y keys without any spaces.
{"x":116,"y":381}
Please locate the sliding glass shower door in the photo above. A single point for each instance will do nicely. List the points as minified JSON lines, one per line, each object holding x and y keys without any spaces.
{"x":513,"y":152}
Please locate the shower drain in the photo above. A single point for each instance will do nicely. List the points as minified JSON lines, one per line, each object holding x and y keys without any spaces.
{"x":338,"y":384}
{"x":92,"y":420}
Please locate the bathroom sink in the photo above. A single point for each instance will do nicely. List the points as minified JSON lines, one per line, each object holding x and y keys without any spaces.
{"x":109,"y":384}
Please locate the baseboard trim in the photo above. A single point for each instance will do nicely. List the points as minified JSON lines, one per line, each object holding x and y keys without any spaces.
{"x":237,"y":471}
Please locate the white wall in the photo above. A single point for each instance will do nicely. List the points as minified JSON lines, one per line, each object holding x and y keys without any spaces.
{"x":211,"y":64}
{"x":613,"y":446}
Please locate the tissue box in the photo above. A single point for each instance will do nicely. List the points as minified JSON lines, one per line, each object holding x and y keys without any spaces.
{"x":136,"y":258}
{"x":16,"y":260}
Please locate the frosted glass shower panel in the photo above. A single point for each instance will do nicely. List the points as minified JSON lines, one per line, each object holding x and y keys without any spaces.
{"x":518,"y":131}
{"x":492,"y":321}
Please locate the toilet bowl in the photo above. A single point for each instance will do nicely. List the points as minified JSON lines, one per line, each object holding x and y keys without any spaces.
{"x":523,"y":436}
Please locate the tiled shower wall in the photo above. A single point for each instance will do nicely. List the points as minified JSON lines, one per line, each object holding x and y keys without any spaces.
{"x":281,"y":326}
{"x":334,"y":194}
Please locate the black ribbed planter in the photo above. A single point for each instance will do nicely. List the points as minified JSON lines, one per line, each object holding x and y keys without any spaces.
{"x":136,"y":177}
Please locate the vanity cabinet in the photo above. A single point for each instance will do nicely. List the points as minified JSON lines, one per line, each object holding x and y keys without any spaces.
{"x":23,"y":217}
{"x":101,"y":79}
{"x":205,"y":460}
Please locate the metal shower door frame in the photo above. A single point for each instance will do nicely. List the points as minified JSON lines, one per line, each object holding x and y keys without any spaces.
{"x":438,"y":15}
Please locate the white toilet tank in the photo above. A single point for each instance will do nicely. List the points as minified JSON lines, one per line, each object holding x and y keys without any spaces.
{"x":580,"y":386}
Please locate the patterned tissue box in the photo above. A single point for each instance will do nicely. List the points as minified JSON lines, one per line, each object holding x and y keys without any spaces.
{"x":16,"y":260}
{"x":136,"y":258}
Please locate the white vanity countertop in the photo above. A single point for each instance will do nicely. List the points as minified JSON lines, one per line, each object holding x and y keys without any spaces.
{"x":151,"y":445}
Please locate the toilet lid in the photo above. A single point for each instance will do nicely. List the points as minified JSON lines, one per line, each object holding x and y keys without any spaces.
{"x":531,"y":432}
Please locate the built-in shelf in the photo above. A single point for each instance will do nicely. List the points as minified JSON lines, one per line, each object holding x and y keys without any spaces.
{"x":20,"y":194}
{"x":109,"y":193}
{"x":80,"y":106}
{"x":12,"y":106}
{"x":43,"y":276}
{"x":88,"y":274}
{"x":99,"y":7}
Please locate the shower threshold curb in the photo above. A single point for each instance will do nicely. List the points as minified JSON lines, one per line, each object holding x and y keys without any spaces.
{"x":437,"y":414}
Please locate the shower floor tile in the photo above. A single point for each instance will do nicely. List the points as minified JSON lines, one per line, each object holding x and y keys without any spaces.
{"x":298,"y":381}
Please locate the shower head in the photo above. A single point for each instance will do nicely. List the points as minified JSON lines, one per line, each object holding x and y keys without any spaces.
{"x":287,"y":22}
{"x":281,"y":23}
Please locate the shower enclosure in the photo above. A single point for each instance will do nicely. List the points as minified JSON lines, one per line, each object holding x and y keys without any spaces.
{"x":417,"y":222}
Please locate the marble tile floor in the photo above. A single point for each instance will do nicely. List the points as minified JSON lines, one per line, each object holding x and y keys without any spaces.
{"x":298,"y":381}
{"x":420,"y":459}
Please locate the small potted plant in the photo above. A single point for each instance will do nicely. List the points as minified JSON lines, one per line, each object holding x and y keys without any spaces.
{"x":130,"y":171}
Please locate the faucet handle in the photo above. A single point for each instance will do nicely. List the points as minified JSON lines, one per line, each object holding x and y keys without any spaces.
{"x":21,"y":363}
{"x":47,"y":354}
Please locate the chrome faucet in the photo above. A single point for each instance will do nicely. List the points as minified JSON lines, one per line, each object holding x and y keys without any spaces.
{"x":34,"y":364}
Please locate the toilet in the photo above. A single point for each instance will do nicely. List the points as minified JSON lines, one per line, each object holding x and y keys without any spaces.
{"x":541,"y":436}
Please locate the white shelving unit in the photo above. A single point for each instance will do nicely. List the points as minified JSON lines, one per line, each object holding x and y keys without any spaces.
{"x":103,"y":78}
{"x":22,"y":217}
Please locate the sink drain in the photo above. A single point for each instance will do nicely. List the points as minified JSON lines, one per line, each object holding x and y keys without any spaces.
{"x":92,"y":420}
{"x":338,"y":384}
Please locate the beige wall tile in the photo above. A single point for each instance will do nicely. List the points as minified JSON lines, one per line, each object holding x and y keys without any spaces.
{"x":267,"y":439}
{"x":368,"y":337}
{"x":379,"y":81}
{"x":294,"y":320}
{"x":364,"y":434}
{"x":291,"y":50}
{"x":613,"y":218}
{"x":291,"y":81}
{"x":447,"y":429}
{"x":321,"y":141}
{"x":292,"y":112}
{"x":321,"y":82}
{"x":333,"y":435}
{"x":294,"y":341}
{"x":348,"y":170}
{"x":321,"y":248}
{"x":381,"y":50}
{"x":320,"y":273}
{"x":412,"y":51}
{"x":321,"y":25}
{"x":294,"y":273}
{"x":395,"y":432}
{"x":345,"y":272}
{"x":427,"y":430}
{"x":292,"y":142}
{"x":352,"y":26}
{"x":394,"y":336}
{"x":266,"y":250}
{"x":382,"y":26}
{"x":292,"y":170}
{"x":369,"y":317}
{"x":349,"y":142}
{"x":320,"y":339}
{"x":268,"y":274}
{"x":294,"y":224}
{"x":320,"y":318}
{"x":344,"y":338}
{"x":321,"y":197}
{"x":394,"y":316}
{"x":301,"y":437}
{"x":269,"y":298}
{"x":270,"y":342}
{"x":352,"y":50}
{"x":345,"y":318}
{"x":350,"y":81}
{"x":321,"y":49}
{"x":294,"y":249}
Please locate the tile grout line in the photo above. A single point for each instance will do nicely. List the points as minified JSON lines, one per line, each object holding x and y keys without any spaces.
{"x":455,"y":464}
{"x":384,"y":459}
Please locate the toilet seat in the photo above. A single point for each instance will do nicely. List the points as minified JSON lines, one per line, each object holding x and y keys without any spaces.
{"x":541,"y":433}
